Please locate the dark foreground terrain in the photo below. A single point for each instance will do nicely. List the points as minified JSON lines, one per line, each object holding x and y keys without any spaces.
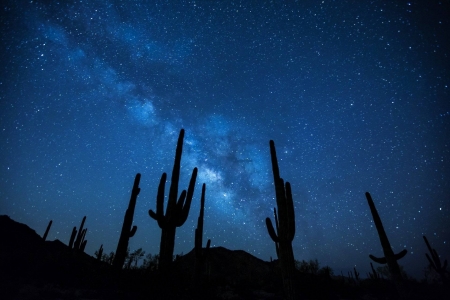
{"x":31,"y":268}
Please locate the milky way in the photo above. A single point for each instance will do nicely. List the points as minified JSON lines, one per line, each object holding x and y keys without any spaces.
{"x":355,"y":96}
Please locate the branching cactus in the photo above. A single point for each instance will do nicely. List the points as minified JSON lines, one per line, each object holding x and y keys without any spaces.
{"x":200,"y":253}
{"x":389,"y":257}
{"x":285,"y":227}
{"x":176,"y":211}
{"x":127,"y":230}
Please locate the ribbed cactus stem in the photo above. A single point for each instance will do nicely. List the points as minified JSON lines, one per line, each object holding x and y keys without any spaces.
{"x":127,"y":230}
{"x":285,"y":225}
{"x":177,"y":211}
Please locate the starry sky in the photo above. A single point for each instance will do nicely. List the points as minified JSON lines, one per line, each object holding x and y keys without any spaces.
{"x":355,"y":95}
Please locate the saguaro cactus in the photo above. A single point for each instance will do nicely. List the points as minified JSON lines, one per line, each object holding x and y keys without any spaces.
{"x":47,"y":230}
{"x":389,"y":257}
{"x":200,"y":253}
{"x":285,"y":227}
{"x":176,"y":211}
{"x":435,"y":262}
{"x":127,"y":231}
{"x":81,"y":234}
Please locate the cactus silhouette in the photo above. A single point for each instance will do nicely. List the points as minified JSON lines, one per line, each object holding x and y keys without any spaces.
{"x":176,"y":211}
{"x":72,"y":237}
{"x":47,"y":230}
{"x":127,"y":232}
{"x":285,"y":227}
{"x":99,"y":253}
{"x":79,"y":243}
{"x":389,"y":257}
{"x":435,"y":262}
{"x":200,"y":253}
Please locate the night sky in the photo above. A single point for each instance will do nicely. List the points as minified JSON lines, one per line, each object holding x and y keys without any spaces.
{"x":355,"y":95}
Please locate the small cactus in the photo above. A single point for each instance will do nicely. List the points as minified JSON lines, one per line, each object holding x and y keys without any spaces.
{"x":127,"y":232}
{"x":99,"y":253}
{"x":47,"y":230}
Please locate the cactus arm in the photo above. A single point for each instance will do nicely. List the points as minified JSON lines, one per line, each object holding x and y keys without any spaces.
{"x":271,"y":231}
{"x":380,"y":260}
{"x":159,"y":215}
{"x":189,"y":196}
{"x":173,"y":191}
{"x":133,"y":231}
{"x":401,"y":254}
{"x":290,"y":212}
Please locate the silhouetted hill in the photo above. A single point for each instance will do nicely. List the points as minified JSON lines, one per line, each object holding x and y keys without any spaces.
{"x":33,"y":269}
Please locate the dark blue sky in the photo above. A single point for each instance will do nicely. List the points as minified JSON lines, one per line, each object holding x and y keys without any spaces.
{"x":355,"y":96}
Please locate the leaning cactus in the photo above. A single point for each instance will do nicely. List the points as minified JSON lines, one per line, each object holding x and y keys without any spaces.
{"x":176,"y":211}
{"x":127,"y":231}
{"x":389,"y":257}
{"x":47,"y":230}
{"x":285,"y":229}
{"x":435,"y":262}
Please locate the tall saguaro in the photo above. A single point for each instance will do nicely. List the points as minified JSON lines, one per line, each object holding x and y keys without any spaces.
{"x":176,"y":211}
{"x":285,"y":224}
{"x":127,"y":231}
